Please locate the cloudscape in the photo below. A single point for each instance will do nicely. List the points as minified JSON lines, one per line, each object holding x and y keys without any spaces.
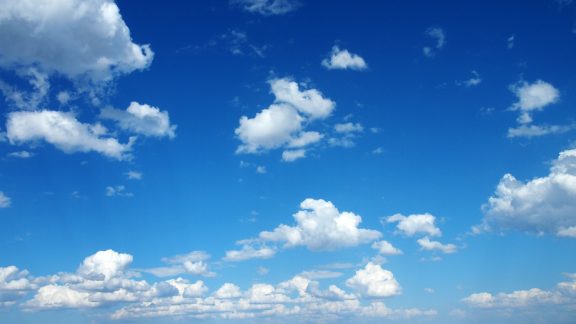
{"x":287,"y":161}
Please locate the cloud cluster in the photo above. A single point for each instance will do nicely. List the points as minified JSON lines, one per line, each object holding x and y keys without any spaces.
{"x":421,"y":224}
{"x":341,"y":59}
{"x":542,"y":205}
{"x":321,"y":226}
{"x":97,"y":43}
{"x":282,"y":124}
{"x":267,"y":7}
{"x":104,"y":279}
{"x":533,"y":97}
{"x":563,"y":293}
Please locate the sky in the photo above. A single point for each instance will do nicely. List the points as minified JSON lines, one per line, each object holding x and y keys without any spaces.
{"x":287,"y":161}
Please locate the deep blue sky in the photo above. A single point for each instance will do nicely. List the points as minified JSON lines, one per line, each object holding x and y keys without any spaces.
{"x":431,"y":137}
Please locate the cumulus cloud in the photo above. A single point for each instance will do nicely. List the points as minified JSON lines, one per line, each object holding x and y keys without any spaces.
{"x":321,"y":226}
{"x":429,"y":245}
{"x":437,"y":35}
{"x":65,"y":132}
{"x":267,"y":7}
{"x":342,"y":60}
{"x":386,"y":248}
{"x":533,"y":97}
{"x":542,"y":205}
{"x":97,"y":42}
{"x":14,"y":285}
{"x":193,"y":263}
{"x":415,"y":224}
{"x":282,"y":124}
{"x":142,"y":119}
{"x":564,"y":292}
{"x":373,"y":281}
{"x":5,"y":201}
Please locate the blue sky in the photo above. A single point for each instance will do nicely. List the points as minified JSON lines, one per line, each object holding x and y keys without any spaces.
{"x":287,"y":161}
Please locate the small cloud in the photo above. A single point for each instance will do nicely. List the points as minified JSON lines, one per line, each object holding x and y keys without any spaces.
{"x":134,"y":175}
{"x":378,"y":151}
{"x":510,"y":42}
{"x":436,"y":34}
{"x":267,"y":7}
{"x":21,"y":154}
{"x":293,"y":155}
{"x":344,"y":60}
{"x":5,"y":201}
{"x":118,"y":191}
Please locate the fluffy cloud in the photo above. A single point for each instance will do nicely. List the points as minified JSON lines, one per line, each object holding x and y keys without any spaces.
{"x":14,"y":284}
{"x":64,"y":131}
{"x":269,"y":129}
{"x":373,"y":281}
{"x":97,"y":42}
{"x":267,"y":7}
{"x":5,"y":201}
{"x":533,"y":97}
{"x":193,"y":263}
{"x":309,"y":102}
{"x":426,"y":244}
{"x":281,"y":124}
{"x":386,"y":248}
{"x":542,"y":205}
{"x":437,"y":35}
{"x":415,"y":224}
{"x":142,"y":119}
{"x":342,"y":60}
{"x":564,"y":292}
{"x":321,"y":226}
{"x":104,"y":281}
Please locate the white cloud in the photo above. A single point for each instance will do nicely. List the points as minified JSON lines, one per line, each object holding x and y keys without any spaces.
{"x":320,"y":274}
{"x":473,"y":81}
{"x":193,"y":263}
{"x":118,"y":191}
{"x":305,"y":139}
{"x":386,"y":248}
{"x":309,"y":102}
{"x":142,"y":119}
{"x":321,"y":226}
{"x":426,"y":244}
{"x":261,"y":169}
{"x":271,"y":128}
{"x":415,"y":224}
{"x":373,"y":281}
{"x":248,"y":252}
{"x":14,"y":285}
{"x":106,"y":264}
{"x":348,"y":128}
{"x":516,"y":299}
{"x":530,"y":131}
{"x":75,"y":38}
{"x":21,"y":154}
{"x":436,"y":34}
{"x":267,"y":7}
{"x":228,"y":290}
{"x":342,"y":60}
{"x":5,"y":201}
{"x":64,"y":131}
{"x":22,"y":99}
{"x":134,"y":175}
{"x":293,"y":155}
{"x":542,"y":205}
{"x":533,"y":97}
{"x":510,"y":41}
{"x":281,"y":124}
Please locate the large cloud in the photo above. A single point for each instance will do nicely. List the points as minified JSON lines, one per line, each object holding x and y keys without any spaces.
{"x":282,"y":124}
{"x":321,"y":226}
{"x":75,"y":38}
{"x":14,"y":284}
{"x":373,"y":281}
{"x":64,"y":131}
{"x":542,"y":205}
